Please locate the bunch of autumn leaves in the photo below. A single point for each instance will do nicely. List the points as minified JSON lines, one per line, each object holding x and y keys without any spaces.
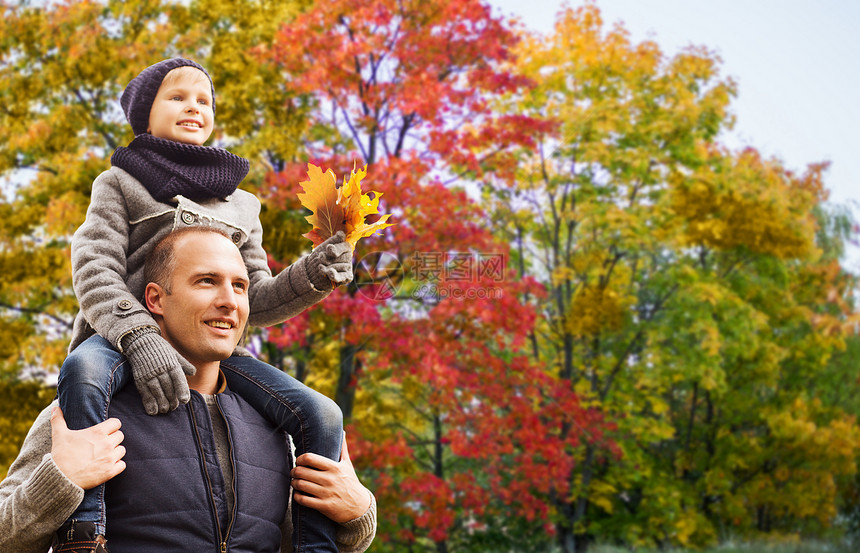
{"x":339,"y":208}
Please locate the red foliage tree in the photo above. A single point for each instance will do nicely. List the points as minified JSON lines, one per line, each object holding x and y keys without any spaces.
{"x":407,"y":87}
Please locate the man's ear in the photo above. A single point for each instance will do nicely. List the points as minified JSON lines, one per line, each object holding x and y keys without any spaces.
{"x":154,"y":296}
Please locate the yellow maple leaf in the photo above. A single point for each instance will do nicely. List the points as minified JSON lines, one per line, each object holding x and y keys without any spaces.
{"x":343,"y":208}
{"x":320,"y":197}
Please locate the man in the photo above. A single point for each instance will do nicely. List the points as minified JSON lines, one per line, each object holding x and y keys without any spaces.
{"x":224,"y":484}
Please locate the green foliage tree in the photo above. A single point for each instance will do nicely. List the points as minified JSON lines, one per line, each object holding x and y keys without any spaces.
{"x":687,"y":299}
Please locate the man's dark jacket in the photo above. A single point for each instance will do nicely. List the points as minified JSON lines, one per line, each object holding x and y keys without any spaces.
{"x":172,"y":495}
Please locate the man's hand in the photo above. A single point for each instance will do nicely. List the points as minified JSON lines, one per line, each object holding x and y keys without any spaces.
{"x":331,"y":488}
{"x":87,"y":457}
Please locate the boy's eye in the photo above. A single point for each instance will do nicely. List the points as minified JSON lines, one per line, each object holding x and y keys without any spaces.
{"x":176,"y":97}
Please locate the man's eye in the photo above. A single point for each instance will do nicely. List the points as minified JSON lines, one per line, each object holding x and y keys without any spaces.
{"x":207,"y":280}
{"x":240,"y":286}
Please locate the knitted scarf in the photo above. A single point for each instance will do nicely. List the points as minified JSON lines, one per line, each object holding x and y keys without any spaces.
{"x":167,"y":168}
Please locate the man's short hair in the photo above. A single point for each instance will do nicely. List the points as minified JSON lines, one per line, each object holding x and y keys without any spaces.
{"x":161,"y":261}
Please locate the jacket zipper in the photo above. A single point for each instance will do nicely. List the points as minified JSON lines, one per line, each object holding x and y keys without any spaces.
{"x":221,"y":540}
{"x":232,"y":477}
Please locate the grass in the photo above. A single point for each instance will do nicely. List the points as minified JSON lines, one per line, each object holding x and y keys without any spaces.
{"x":804,"y":547}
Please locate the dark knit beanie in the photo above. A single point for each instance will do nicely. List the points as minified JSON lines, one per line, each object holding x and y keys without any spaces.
{"x":138,"y":96}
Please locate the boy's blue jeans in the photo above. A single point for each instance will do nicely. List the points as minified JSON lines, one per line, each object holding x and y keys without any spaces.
{"x":95,"y":371}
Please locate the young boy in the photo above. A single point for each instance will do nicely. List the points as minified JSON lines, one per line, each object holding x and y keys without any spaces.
{"x":166,"y":179}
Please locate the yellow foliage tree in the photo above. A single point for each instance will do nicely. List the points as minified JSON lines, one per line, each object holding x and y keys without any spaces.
{"x":21,"y":402}
{"x":63,"y":66}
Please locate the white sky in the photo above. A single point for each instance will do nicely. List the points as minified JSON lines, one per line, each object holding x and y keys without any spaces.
{"x":796,"y":62}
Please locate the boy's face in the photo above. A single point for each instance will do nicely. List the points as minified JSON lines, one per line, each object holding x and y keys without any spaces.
{"x":182,"y":110}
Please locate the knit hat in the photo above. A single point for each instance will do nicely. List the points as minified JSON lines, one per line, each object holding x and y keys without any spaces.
{"x":138,"y":96}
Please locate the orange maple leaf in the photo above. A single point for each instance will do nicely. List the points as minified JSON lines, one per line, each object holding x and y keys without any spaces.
{"x":343,"y":208}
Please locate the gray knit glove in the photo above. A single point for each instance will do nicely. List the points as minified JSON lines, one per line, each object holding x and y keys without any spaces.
{"x":159,"y":371}
{"x":330,"y":263}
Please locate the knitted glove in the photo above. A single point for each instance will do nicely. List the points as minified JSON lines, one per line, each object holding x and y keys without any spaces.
{"x":159,"y":371}
{"x":330,"y":263}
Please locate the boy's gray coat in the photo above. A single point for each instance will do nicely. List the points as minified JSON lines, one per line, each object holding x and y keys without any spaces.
{"x":124,"y":222}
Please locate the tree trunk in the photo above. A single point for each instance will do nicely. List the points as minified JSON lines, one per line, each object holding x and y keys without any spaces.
{"x":566,"y":539}
{"x":439,"y":467}
{"x":579,"y":515}
{"x":345,"y":394}
{"x":301,"y":370}
{"x":574,"y":513}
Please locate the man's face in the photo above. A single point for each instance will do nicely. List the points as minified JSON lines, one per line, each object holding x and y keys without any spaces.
{"x":205,"y":313}
{"x":182,"y":110}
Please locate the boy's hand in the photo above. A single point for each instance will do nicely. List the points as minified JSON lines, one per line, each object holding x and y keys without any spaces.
{"x":330,"y":263}
{"x":159,"y":371}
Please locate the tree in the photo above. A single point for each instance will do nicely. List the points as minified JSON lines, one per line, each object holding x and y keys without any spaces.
{"x":686,"y":297}
{"x":62,"y":68}
{"x":591,"y":318}
{"x":432,"y":377}
{"x":22,"y":402}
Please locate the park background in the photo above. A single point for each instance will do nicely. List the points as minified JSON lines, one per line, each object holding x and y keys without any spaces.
{"x":602,"y":317}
